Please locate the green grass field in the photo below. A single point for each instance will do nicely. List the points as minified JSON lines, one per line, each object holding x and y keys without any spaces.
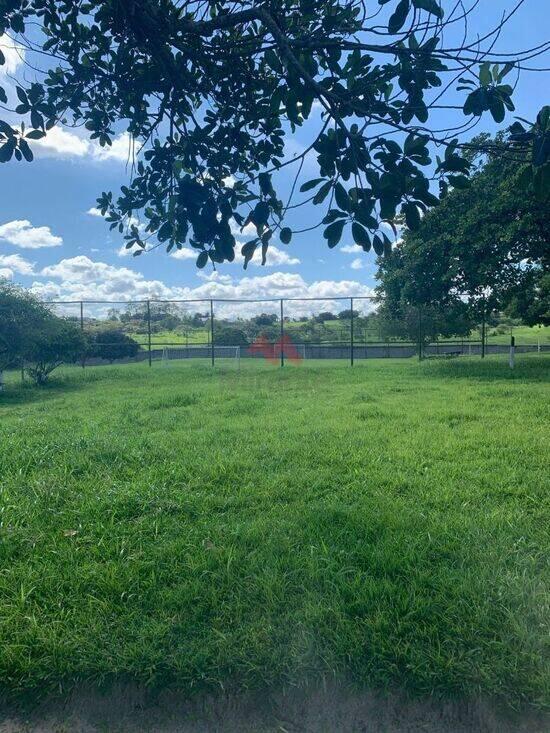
{"x":523,"y":334}
{"x":387,"y":524}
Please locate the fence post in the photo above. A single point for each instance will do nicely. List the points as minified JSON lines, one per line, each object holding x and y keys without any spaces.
{"x":483,"y":334}
{"x":82,"y":329}
{"x":351,"y":351}
{"x":419,"y":333}
{"x":212,"y":356}
{"x":149,"y":332}
{"x":282,"y":334}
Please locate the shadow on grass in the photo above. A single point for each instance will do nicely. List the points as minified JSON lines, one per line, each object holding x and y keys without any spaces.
{"x":24,"y":393}
{"x":68,"y":378}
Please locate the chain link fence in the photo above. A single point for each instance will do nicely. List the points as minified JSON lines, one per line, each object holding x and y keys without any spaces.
{"x":287,"y":330}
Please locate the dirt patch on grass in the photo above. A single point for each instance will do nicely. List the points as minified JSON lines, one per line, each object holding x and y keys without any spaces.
{"x":327,"y":709}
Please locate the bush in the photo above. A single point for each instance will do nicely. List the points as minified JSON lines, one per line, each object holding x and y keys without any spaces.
{"x":226,"y":336}
{"x":111,"y":344}
{"x":55,"y":341}
{"x":21,"y":316}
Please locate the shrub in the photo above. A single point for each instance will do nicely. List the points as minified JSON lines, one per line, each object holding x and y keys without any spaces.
{"x":55,"y":341}
{"x":111,"y":344}
{"x":227,"y":336}
{"x":21,"y":316}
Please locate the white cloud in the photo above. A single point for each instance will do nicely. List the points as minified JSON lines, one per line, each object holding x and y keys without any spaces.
{"x":357,"y":264}
{"x":13,"y":53}
{"x":62,"y":143}
{"x":351,"y":249}
{"x":80,"y":277}
{"x":277,"y":257}
{"x":95,"y":212}
{"x":120,"y":150}
{"x":21,"y":233}
{"x":185,"y":254}
{"x":215,"y":276}
{"x":16,"y":263}
{"x":6,"y":273}
{"x":248,"y":231}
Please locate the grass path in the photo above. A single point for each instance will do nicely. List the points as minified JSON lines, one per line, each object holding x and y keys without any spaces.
{"x":181,"y":526}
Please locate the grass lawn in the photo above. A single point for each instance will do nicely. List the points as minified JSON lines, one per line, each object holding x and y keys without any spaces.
{"x":191,"y":337}
{"x":178,"y":525}
{"x":523,"y":335}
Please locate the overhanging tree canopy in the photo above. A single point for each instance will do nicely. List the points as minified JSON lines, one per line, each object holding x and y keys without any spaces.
{"x":486,"y":246}
{"x":208,"y":89}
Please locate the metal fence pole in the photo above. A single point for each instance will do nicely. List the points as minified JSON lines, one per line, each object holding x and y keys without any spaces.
{"x":149,"y":332}
{"x":420,"y":333}
{"x":352,"y":345}
{"x":483,"y":334}
{"x":212,"y":355}
{"x":82,"y":329}
{"x":282,"y":334}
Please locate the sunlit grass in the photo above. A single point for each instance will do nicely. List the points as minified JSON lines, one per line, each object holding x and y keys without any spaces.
{"x":387,"y":523}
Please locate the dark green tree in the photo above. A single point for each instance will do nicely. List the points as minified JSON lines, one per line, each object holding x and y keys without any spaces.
{"x":56,"y":342}
{"x":207,"y":91}
{"x":487,"y":246}
{"x":111,"y":344}
{"x":230,"y":336}
{"x":22,"y":315}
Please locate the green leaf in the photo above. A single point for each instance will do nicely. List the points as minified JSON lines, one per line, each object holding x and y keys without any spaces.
{"x":264,"y":180}
{"x":35,"y":135}
{"x":459,"y":181}
{"x":322,"y":193}
{"x":248,"y":250}
{"x":285,"y":235}
{"x":431,"y":6}
{"x":397,"y":20}
{"x":485,"y":75}
{"x":360,"y":235}
{"x":506,"y":70}
{"x":378,"y":245}
{"x":272,"y":60}
{"x":496,"y":107}
{"x":260,"y":215}
{"x":412,"y":215}
{"x":311,"y":184}
{"x":342,"y":197}
{"x":6,"y":129}
{"x":25,"y":150}
{"x":333,"y":233}
{"x":6,"y":151}
{"x":202,"y":259}
{"x":22,"y":95}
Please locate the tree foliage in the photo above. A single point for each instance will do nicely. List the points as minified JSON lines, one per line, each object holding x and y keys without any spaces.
{"x":32,"y":335}
{"x":111,"y":344}
{"x":56,"y":342}
{"x":207,"y":91}
{"x":21,"y":316}
{"x":487,"y":245}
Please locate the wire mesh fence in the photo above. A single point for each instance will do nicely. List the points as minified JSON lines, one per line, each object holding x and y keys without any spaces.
{"x":284,"y":331}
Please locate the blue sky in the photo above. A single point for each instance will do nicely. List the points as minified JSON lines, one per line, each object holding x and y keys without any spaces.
{"x":51,"y":238}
